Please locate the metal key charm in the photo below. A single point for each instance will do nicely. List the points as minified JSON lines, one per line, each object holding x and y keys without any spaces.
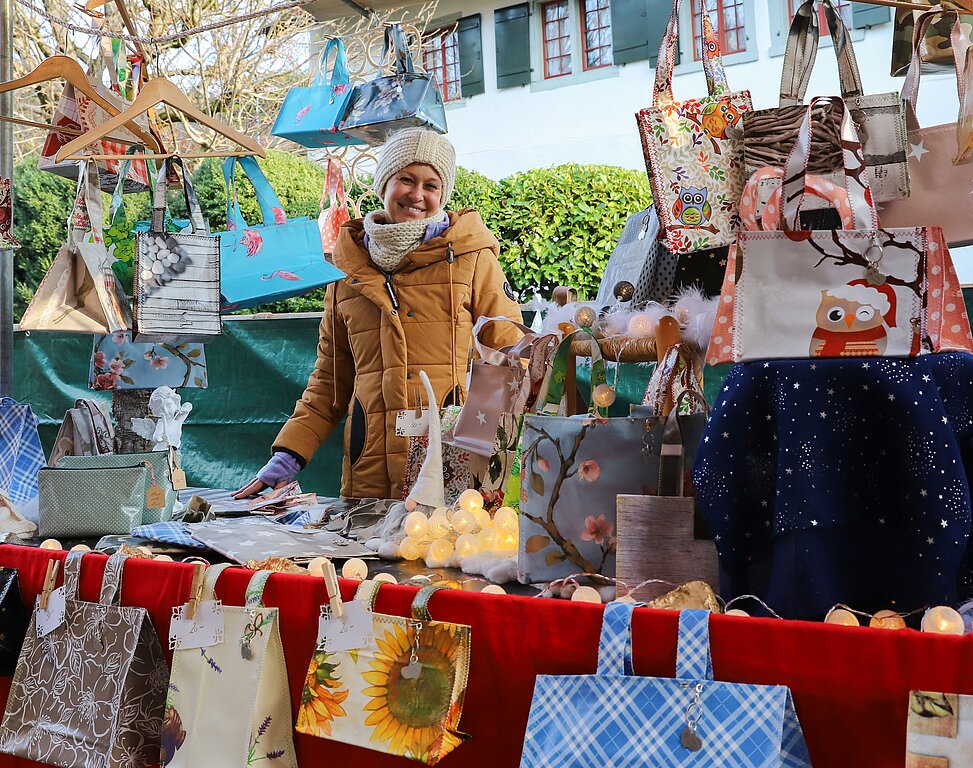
{"x":689,"y":738}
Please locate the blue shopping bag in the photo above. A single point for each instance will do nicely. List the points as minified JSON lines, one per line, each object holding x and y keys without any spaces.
{"x":21,"y":454}
{"x":310,"y":116}
{"x":615,"y":718}
{"x":278,"y":259}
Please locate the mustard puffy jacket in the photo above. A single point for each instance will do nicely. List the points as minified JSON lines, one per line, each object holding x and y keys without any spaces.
{"x":370,"y":352}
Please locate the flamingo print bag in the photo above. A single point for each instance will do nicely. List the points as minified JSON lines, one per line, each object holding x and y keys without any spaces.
{"x":278,"y":259}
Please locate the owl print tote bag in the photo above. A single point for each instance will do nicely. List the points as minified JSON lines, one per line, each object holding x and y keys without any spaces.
{"x":694,"y":150}
{"x":854,"y":292}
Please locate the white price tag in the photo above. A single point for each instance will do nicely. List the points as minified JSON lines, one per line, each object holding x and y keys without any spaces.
{"x":407,"y":424}
{"x":348,"y":633}
{"x":50,"y":619}
{"x":204,"y":630}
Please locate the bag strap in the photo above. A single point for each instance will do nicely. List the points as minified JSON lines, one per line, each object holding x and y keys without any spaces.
{"x":559,"y":366}
{"x":72,"y":574}
{"x":693,"y":658}
{"x":339,"y":74}
{"x":395,"y":39}
{"x":864,"y":213}
{"x":615,"y":643}
{"x":334,"y":186}
{"x":367,"y":592}
{"x":159,"y":202}
{"x":420,"y":603}
{"x":255,"y":589}
{"x":111,"y":583}
{"x":87,"y":217}
{"x":910,"y":88}
{"x":212,"y":575}
{"x":489,"y":354}
{"x":266,"y":197}
{"x":802,"y":50}
{"x":117,"y":208}
{"x":716,"y":84}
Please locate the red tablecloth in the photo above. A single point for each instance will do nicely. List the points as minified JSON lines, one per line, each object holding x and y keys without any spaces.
{"x":850,"y":685}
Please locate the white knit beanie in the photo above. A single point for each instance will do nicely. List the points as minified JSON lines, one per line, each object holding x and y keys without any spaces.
{"x":417,"y":145}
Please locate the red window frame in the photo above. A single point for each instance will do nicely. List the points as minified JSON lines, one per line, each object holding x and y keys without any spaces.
{"x":841,"y":6}
{"x":440,"y":55}
{"x":719,"y":12}
{"x":557,"y":31}
{"x":598,"y":11}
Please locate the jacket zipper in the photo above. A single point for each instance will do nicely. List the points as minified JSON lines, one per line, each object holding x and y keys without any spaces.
{"x":450,"y":254}
{"x":390,"y":287}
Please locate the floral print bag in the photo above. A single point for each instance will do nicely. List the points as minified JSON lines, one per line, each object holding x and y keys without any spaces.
{"x":694,"y":149}
{"x":229,"y":704}
{"x":402,"y":693}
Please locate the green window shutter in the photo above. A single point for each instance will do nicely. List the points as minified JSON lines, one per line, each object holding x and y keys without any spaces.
{"x":866,"y":15}
{"x":637,"y":29}
{"x":470,"y":55}
{"x":512,"y":30}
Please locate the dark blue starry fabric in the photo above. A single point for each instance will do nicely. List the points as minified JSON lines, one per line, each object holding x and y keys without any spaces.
{"x":841,"y":481}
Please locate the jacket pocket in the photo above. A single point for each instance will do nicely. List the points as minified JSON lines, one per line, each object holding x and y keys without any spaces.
{"x":356,"y":438}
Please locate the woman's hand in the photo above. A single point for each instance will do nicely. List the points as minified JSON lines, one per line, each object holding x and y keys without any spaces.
{"x":251,"y":489}
{"x":280,"y":470}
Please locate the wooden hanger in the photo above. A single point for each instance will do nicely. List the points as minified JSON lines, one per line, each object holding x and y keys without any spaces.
{"x":66,"y":68}
{"x":160,"y":91}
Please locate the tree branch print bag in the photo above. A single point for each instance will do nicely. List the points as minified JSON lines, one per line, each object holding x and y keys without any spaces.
{"x":90,"y":693}
{"x":853,"y":292}
{"x":401,"y":692}
{"x":693,"y":150}
{"x":228,"y":704}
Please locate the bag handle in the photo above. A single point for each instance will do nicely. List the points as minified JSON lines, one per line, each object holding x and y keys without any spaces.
{"x":111,"y":583}
{"x":489,"y":354}
{"x":255,"y":589}
{"x":864,"y":213}
{"x":910,"y":88}
{"x":395,"y":39}
{"x":615,"y":642}
{"x":420,"y":603}
{"x":716,"y":84}
{"x":334,"y":186}
{"x":159,"y":203}
{"x":271,"y":209}
{"x":339,"y":74}
{"x":559,"y":366}
{"x":212,"y":575}
{"x":802,"y":50}
{"x":367,"y":592}
{"x":693,"y":658}
{"x":117,"y":196}
{"x":87,"y":216}
{"x":72,"y":574}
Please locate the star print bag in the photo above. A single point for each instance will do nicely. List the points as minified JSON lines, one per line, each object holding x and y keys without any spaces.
{"x":278,"y":259}
{"x":860,"y":291}
{"x":655,"y":722}
{"x":942,"y":192}
{"x":400,"y":691}
{"x":693,"y":150}
{"x":90,"y":693}
{"x":228,"y":704}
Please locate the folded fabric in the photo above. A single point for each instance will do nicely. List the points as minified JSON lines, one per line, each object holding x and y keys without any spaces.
{"x":259,"y":538}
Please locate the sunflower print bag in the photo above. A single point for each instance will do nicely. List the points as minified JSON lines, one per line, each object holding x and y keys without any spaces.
{"x":401,"y":694}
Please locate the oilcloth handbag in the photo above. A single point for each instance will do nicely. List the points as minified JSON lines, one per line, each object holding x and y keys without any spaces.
{"x":390,"y":102}
{"x":7,"y":240}
{"x":117,"y":362}
{"x":79,"y":293}
{"x":934,"y":51}
{"x":401,"y":693}
{"x":244,"y":670}
{"x":641,"y":260}
{"x":92,"y":691}
{"x":14,"y":619}
{"x":457,"y":472}
{"x":855,"y":292}
{"x":85,"y":431}
{"x":21,"y":453}
{"x":334,"y":207}
{"x":939,"y":727}
{"x":119,"y":234}
{"x":160,"y":475}
{"x":769,"y":134}
{"x":81,"y":502}
{"x":692,"y":151}
{"x":310,"y":116}
{"x":276,"y":260}
{"x":940,"y":188}
{"x":177,"y":281}
{"x":656,"y":722}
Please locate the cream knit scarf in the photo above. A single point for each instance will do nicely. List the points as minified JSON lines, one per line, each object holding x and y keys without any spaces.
{"x":388,"y":243}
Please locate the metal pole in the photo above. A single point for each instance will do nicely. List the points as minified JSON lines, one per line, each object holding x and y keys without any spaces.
{"x":6,"y":171}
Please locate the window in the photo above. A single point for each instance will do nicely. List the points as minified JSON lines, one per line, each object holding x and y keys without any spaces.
{"x":556,"y":19}
{"x":596,"y":33}
{"x":440,"y":52}
{"x":729,"y":21}
{"x":842,"y":6}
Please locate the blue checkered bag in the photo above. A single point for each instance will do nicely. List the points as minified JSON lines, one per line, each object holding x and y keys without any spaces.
{"x":21,"y":454}
{"x":615,"y":718}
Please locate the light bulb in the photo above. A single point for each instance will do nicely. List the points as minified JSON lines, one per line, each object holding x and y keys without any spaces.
{"x":887,"y":620}
{"x":585,"y":317}
{"x":439,"y":551}
{"x":467,"y":545}
{"x":841,"y":616}
{"x":943,"y":620}
{"x":624,"y":290}
{"x":470,"y":500}
{"x":566,"y":328}
{"x":737,"y":612}
{"x":604,"y":395}
{"x":444,"y":511}
{"x":316,"y":566}
{"x":508,"y":542}
{"x":410,"y":549}
{"x":493,"y":589}
{"x":355,"y":568}
{"x":438,"y":525}
{"x":51,"y":544}
{"x":506,"y":520}
{"x":416,"y":524}
{"x":80,"y":548}
{"x":163,"y":558}
{"x":487,"y":539}
{"x":463,"y":521}
{"x":385,"y":578}
{"x":641,"y":326}
{"x":482,"y":518}
{"x":586,"y":595}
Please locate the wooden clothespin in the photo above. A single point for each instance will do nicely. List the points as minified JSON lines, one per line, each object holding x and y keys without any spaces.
{"x":195,"y":591}
{"x":334,"y":592}
{"x":50,"y":579}
{"x":418,"y":398}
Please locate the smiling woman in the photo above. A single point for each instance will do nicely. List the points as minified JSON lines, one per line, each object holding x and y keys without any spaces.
{"x":418,"y":278}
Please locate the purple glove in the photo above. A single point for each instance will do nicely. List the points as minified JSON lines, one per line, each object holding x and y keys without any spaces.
{"x":282,"y":466}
